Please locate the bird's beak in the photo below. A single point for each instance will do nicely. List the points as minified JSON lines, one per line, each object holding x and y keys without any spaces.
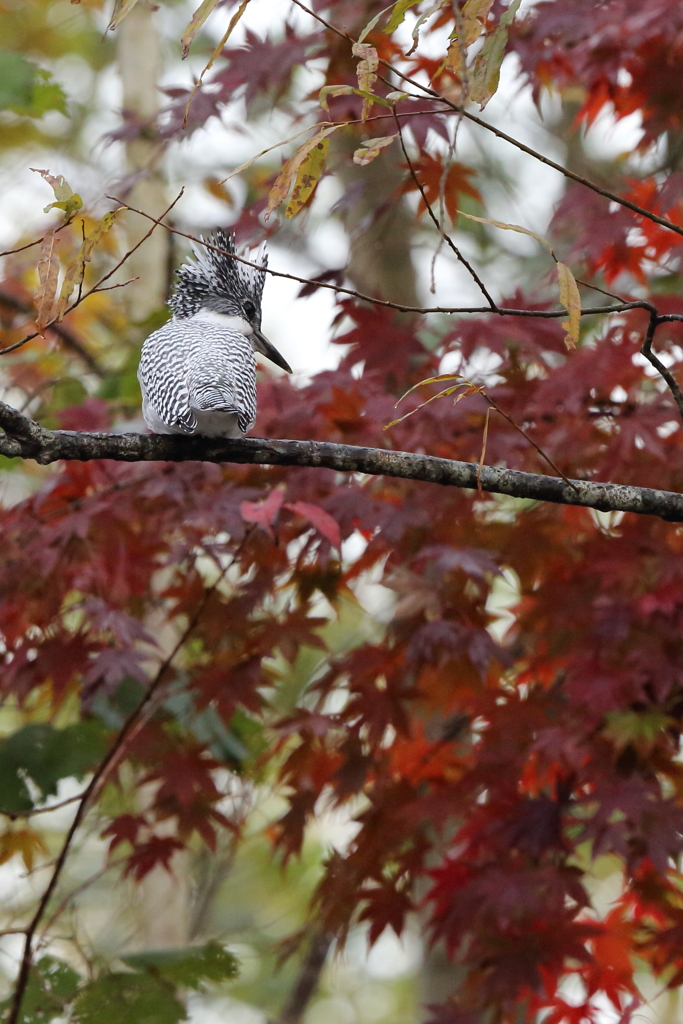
{"x":262,"y":345}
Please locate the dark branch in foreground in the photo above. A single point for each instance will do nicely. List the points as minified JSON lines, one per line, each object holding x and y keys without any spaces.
{"x":28,"y":440}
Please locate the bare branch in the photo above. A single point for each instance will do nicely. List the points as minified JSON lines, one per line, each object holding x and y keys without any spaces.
{"x":646,"y":350}
{"x":439,"y":226}
{"x":64,"y":333}
{"x":545,"y":314}
{"x":97,"y":287}
{"x":460,"y":110}
{"x":54,"y":445}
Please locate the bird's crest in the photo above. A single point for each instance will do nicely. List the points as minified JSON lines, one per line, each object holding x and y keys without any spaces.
{"x":217,"y":273}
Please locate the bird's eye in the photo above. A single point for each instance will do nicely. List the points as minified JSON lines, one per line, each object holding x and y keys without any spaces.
{"x":249,"y":309}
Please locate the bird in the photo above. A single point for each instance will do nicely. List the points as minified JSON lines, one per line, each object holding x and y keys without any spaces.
{"x":197,"y":373}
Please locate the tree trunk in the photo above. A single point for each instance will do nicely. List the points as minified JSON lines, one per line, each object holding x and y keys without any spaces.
{"x":139,"y":61}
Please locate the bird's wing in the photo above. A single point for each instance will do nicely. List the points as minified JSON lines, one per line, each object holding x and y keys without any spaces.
{"x":222,"y":376}
{"x":163,"y":381}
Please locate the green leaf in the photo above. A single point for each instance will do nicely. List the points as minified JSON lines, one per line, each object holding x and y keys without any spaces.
{"x":639,"y":729}
{"x":486,"y":72}
{"x":186,"y":967}
{"x":26,"y":89}
{"x":51,"y":985}
{"x":46,"y":755}
{"x":398,"y":14}
{"x":348,"y":90}
{"x":62,"y":980}
{"x":120,"y":998}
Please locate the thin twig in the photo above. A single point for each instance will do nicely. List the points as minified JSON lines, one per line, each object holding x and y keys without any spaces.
{"x":111,"y":287}
{"x":483,"y":449}
{"x":594,"y":287}
{"x":439,"y":226}
{"x":42,"y":810}
{"x":75,"y":892}
{"x":100,"y":775}
{"x":546,"y":458}
{"x":459,"y":109}
{"x":29,"y":245}
{"x":307,"y":979}
{"x":105,"y":277}
{"x":64,"y":333}
{"x":551,"y":314}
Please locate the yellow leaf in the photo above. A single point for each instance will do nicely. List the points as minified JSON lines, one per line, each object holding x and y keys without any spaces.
{"x":76,"y":269}
{"x":571,"y":300}
{"x":48,"y":275}
{"x":198,"y":19}
{"x":371,"y":148}
{"x":486,"y":71}
{"x":290,"y":169}
{"x":217,"y":50}
{"x":66,"y":198}
{"x":24,"y":841}
{"x":465,"y":386}
{"x":468,"y":29}
{"x":307,"y":177}
{"x":349,"y":90}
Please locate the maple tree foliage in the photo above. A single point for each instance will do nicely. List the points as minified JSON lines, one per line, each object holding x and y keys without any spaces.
{"x":159,"y":610}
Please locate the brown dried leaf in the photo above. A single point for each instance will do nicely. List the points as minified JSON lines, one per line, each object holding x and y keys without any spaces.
{"x":76,"y":269}
{"x":48,"y":276}
{"x":507,"y":227}
{"x":198,"y":19}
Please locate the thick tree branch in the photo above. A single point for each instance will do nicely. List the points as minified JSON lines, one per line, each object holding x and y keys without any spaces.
{"x":26,"y":439}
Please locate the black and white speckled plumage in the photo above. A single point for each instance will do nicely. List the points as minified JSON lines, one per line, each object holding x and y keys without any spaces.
{"x":198,"y":373}
{"x":198,"y":378}
{"x":211,"y":278}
